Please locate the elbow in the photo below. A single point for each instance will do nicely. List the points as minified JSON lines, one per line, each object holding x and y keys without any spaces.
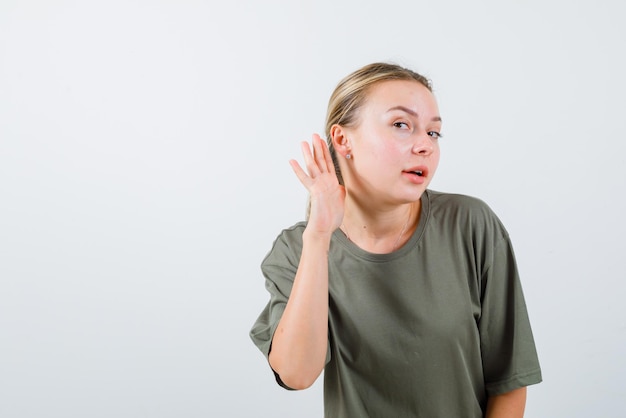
{"x":296,"y":381}
{"x":295,"y":378}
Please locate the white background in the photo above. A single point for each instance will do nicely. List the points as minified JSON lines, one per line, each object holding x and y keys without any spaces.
{"x":144,"y":174}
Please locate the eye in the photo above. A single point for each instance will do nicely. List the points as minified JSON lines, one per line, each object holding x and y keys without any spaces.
{"x":435,"y":134}
{"x":401,"y":125}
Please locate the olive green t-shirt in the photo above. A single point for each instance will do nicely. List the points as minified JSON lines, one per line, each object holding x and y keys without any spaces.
{"x":429,"y":330}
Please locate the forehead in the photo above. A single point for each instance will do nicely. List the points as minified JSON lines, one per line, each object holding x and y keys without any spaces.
{"x":411,"y":94}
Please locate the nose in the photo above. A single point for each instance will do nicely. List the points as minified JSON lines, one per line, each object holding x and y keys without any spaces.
{"x":423,"y":145}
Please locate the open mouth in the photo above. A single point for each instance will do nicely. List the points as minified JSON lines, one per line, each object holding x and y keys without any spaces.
{"x":417,"y":171}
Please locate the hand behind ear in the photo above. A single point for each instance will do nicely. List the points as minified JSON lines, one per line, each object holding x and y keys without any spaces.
{"x":326,"y":194}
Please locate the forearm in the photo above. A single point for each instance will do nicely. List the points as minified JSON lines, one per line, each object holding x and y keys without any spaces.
{"x":507,"y":405}
{"x":300,"y":342}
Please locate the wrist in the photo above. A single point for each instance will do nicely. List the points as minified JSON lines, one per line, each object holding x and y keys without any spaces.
{"x":313,"y":237}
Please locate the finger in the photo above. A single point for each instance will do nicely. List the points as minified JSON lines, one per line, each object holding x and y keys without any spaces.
{"x":309,"y":160}
{"x":327,"y":162}
{"x":320,"y":153}
{"x":300,"y":173}
{"x":330,"y":165}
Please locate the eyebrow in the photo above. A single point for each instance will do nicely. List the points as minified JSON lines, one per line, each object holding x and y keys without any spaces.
{"x":412,"y":112}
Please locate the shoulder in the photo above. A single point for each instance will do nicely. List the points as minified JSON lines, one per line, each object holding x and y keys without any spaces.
{"x":455,"y":201}
{"x":287,"y":246}
{"x":464,"y":209}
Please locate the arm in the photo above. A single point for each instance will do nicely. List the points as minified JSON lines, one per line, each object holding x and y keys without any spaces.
{"x":507,"y":405}
{"x":299,"y":345}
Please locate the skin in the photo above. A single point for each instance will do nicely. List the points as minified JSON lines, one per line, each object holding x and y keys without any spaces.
{"x":507,"y":405}
{"x":396,"y":132}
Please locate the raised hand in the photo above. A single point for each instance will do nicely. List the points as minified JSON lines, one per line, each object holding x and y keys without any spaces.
{"x":326,"y":194}
{"x":300,"y":342}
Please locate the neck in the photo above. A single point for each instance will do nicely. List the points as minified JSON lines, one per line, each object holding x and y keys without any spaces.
{"x":380,"y":230}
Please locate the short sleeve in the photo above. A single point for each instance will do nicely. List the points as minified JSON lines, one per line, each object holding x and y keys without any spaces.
{"x":507,"y":345}
{"x":279,"y":274}
{"x":265,"y":325}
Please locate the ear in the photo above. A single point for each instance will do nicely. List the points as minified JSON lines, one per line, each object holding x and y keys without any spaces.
{"x":340,"y":140}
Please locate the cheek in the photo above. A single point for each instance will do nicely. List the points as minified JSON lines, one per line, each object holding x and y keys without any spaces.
{"x":434,"y":158}
{"x":387,"y":156}
{"x":389,"y":149}
{"x":378,"y":152}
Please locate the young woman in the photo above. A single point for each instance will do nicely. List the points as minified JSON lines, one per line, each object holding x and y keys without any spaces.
{"x":407,"y":298}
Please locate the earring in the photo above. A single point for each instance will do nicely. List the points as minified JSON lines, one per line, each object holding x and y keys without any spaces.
{"x":348,"y":156}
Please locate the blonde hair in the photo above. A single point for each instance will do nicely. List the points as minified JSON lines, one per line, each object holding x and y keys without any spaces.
{"x":351,"y":93}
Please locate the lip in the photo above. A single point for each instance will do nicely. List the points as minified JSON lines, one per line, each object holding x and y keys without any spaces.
{"x":411,"y":175}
